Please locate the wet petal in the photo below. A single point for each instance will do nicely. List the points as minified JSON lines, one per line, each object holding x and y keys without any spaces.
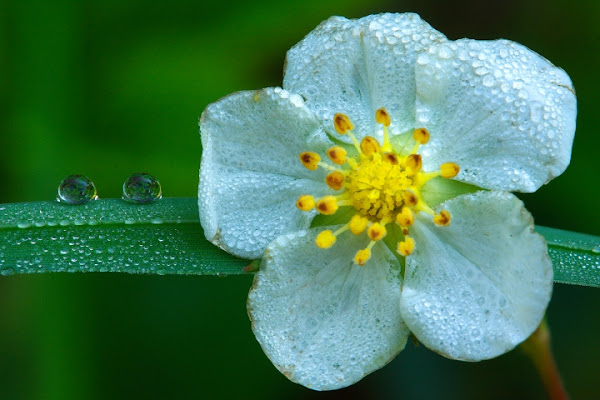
{"x":250,"y":175}
{"x":357,"y":66}
{"x":499,"y":110}
{"x":479,"y":287}
{"x":322,"y":320}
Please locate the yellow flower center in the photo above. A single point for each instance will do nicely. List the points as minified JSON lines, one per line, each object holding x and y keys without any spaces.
{"x":376,"y":186}
{"x":381,"y":184}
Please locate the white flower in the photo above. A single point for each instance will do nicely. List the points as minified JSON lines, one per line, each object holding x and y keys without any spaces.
{"x":410,"y":244}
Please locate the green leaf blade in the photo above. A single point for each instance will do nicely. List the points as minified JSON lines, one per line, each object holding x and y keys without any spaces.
{"x":165,"y":237}
{"x":575,"y":256}
{"x":109,"y":235}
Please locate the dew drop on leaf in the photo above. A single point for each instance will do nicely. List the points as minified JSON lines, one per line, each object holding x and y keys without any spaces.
{"x":76,"y":189}
{"x":141,"y":188}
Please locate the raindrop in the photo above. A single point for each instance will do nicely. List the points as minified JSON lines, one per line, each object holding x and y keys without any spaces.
{"x":76,"y":189}
{"x":141,"y":188}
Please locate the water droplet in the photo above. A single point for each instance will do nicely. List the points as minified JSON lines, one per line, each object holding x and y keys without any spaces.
{"x":76,"y":189}
{"x":141,"y":188}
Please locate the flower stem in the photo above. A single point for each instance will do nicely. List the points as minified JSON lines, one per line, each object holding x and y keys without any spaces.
{"x":537,"y":347}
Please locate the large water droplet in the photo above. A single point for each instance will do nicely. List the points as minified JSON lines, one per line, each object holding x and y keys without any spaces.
{"x":141,"y":188}
{"x":76,"y":189}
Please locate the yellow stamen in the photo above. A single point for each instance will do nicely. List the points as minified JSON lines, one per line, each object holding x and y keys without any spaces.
{"x":405,"y":217}
{"x":421,"y":135}
{"x":337,"y":155}
{"x":442,"y":219}
{"x":335,"y":180}
{"x":391,"y":158}
{"x":358,"y":224}
{"x":342,"y":123}
{"x":406,"y":247}
{"x":305,"y":202}
{"x":327,"y":205}
{"x":382,"y":117}
{"x":325,"y":239}
{"x":310,"y":159}
{"x":328,"y":167}
{"x":376,"y":231}
{"x":410,"y":199}
{"x":362,"y":256}
{"x":369,"y":145}
{"x":449,"y":170}
{"x":414,"y":163}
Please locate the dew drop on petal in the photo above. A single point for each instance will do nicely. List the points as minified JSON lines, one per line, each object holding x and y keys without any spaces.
{"x":141,"y":188}
{"x":76,"y":189}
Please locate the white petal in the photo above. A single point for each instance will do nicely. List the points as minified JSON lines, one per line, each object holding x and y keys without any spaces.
{"x":499,"y":110}
{"x":479,"y":287}
{"x":250,"y":175}
{"x":322,"y":320}
{"x":357,"y":66}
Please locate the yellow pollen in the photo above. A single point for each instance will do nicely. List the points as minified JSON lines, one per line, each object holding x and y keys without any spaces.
{"x":369,"y":145}
{"x":449,"y":170}
{"x":382,"y":117}
{"x":405,"y":217}
{"x":406,"y":247}
{"x":342,"y":123}
{"x":325,"y":239}
{"x":362,"y":256}
{"x":442,"y":219}
{"x":337,"y":155}
{"x":305,"y":202}
{"x":421,"y":135}
{"x":376,"y":231}
{"x":310,"y":160}
{"x":414,"y":162}
{"x":327,"y":205}
{"x":335,"y":180}
{"x":376,"y":187}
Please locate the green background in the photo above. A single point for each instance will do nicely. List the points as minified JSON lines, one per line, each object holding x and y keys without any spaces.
{"x":108,"y":88}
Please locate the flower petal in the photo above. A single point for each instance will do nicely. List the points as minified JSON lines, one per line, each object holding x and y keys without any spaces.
{"x":479,"y":287}
{"x":499,"y":110}
{"x":250,"y":175}
{"x":357,"y":66}
{"x":324,"y":321}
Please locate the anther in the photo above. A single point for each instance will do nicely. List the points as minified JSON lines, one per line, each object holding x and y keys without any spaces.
{"x":421,"y":135}
{"x":310,"y":160}
{"x":369,"y":145}
{"x":335,"y":180}
{"x":449,"y":170}
{"x":362,"y":256}
{"x":327,"y":205}
{"x":337,"y":155}
{"x":442,"y":219}
{"x":376,"y":231}
{"x":325,"y":239}
{"x":358,"y":224}
{"x":405,"y":217}
{"x":305,"y":202}
{"x":414,"y":162}
{"x":391,"y":158}
{"x":410,"y":199}
{"x":342,"y":123}
{"x":382,"y":117}
{"x":406,"y":247}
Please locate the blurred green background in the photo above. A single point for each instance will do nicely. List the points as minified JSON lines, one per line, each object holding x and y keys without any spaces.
{"x":108,"y":88}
